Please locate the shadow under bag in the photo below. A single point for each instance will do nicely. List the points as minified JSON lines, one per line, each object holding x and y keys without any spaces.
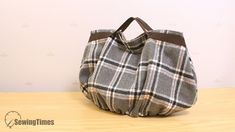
{"x":149,"y":75}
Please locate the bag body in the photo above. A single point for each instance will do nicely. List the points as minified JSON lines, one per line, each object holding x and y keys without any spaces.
{"x":149,"y":75}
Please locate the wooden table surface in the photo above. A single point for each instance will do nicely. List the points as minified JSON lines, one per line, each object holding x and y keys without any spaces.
{"x":71,"y":111}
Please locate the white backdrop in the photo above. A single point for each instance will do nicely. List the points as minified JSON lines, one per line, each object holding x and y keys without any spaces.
{"x":42,"y":41}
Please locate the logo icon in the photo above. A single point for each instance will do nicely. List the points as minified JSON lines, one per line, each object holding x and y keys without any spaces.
{"x":10,"y":118}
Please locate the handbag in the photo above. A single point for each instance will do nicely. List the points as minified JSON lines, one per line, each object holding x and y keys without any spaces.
{"x":150,"y":75}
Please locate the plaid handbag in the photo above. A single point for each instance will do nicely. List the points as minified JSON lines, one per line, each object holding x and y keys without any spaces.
{"x":149,"y":75}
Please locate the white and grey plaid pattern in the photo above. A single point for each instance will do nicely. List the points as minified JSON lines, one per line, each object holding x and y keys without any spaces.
{"x":142,"y":77}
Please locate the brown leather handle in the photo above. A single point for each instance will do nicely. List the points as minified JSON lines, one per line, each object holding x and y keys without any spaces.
{"x":142,"y":24}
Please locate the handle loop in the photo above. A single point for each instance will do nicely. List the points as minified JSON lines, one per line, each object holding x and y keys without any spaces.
{"x":142,"y":24}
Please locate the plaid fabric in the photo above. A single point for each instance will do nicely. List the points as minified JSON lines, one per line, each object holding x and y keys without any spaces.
{"x":141,"y":77}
